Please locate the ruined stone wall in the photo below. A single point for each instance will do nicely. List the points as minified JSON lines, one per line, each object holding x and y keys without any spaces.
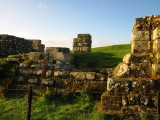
{"x":132,"y":88}
{"x":82,"y":43}
{"x":11,"y":45}
{"x":143,"y":61}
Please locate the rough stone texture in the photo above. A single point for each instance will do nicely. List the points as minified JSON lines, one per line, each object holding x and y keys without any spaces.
{"x":140,"y":35}
{"x":132,"y":88}
{"x":156,"y":45}
{"x":122,"y":70}
{"x":83,"y":75}
{"x":82,"y":43}
{"x":141,"y":47}
{"x":60,"y":58}
{"x":11,"y":45}
{"x":141,"y":70}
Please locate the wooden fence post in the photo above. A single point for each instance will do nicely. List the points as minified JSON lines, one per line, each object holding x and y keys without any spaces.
{"x":158,"y":105}
{"x":29,"y":103}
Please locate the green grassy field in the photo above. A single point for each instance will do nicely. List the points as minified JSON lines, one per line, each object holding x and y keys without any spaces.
{"x":102,"y":57}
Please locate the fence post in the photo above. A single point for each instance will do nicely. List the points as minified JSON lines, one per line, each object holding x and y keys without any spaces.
{"x":29,"y":103}
{"x":158,"y":105}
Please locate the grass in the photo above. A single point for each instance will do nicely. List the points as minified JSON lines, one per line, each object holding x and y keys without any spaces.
{"x":101,"y":57}
{"x":82,"y":108}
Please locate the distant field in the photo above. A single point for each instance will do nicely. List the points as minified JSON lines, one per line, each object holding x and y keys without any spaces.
{"x":102,"y":57}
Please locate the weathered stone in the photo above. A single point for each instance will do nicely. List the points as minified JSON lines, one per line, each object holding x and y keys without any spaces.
{"x":141,"y":47}
{"x":122,"y":70}
{"x":100,"y":76}
{"x":38,"y":72}
{"x":145,"y":100}
{"x":64,"y":57}
{"x":25,"y":72}
{"x":11,"y":45}
{"x":141,"y":70}
{"x":157,"y":58}
{"x":83,"y":75}
{"x":133,"y":99}
{"x":61,"y":74}
{"x":145,"y":86}
{"x":82,"y":43}
{"x":140,"y":35}
{"x":33,"y":80}
{"x":115,"y":87}
{"x":111,"y":102}
{"x":96,"y":86}
{"x":138,"y":58}
{"x":156,"y":45}
{"x":156,"y":33}
{"x":156,"y":71}
{"x":49,"y":73}
{"x":47,"y":82}
{"x":23,"y":65}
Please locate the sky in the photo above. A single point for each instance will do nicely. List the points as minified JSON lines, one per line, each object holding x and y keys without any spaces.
{"x":57,"y":22}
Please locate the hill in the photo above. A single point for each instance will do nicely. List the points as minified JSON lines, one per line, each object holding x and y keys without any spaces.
{"x":101,"y":57}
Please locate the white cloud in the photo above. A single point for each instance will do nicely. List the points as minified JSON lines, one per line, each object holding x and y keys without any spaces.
{"x":40,"y":5}
{"x":62,"y":41}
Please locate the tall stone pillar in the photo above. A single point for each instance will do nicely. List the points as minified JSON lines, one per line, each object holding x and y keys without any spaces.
{"x":82,"y":43}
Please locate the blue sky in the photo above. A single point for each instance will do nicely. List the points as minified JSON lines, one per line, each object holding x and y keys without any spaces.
{"x":57,"y":22}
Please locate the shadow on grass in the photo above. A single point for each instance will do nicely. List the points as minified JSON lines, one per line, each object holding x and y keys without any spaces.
{"x":95,"y":60}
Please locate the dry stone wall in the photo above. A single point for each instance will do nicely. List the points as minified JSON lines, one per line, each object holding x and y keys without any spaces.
{"x":132,"y":88}
{"x":82,"y":43}
{"x":11,"y":45}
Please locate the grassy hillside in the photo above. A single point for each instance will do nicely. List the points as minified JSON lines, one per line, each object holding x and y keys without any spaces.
{"x":102,"y":57}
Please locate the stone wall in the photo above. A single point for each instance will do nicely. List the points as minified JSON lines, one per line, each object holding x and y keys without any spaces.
{"x":11,"y":45}
{"x":132,"y":88}
{"x":82,"y":43}
{"x":143,"y":61}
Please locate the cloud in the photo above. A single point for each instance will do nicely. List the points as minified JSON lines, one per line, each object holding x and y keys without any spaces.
{"x":62,"y":41}
{"x":40,"y":5}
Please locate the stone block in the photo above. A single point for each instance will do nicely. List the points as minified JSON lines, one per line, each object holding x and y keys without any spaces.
{"x":122,"y":70}
{"x":49,"y":73}
{"x":141,"y":47}
{"x":65,"y":58}
{"x":156,"y":33}
{"x":84,"y":36}
{"x":156,"y":45}
{"x":156,"y":71}
{"x":138,"y":58}
{"x":61,"y":74}
{"x":116,"y":87}
{"x":145,"y":100}
{"x":140,"y":35}
{"x":77,"y":40}
{"x":143,"y":86}
{"x":111,"y":102}
{"x":83,"y":75}
{"x":133,"y":99}
{"x":100,"y":76}
{"x":141,"y":70}
{"x":47,"y":82}
{"x":96,"y":86}
{"x":157,"y":58}
{"x":38,"y":72}
{"x":33,"y":80}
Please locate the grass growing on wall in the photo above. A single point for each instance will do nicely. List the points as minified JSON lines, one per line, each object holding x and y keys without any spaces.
{"x":102,"y":57}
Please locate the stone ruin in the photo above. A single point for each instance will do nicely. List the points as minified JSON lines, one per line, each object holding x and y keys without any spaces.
{"x":11,"y":45}
{"x":82,"y":43}
{"x":132,"y":88}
